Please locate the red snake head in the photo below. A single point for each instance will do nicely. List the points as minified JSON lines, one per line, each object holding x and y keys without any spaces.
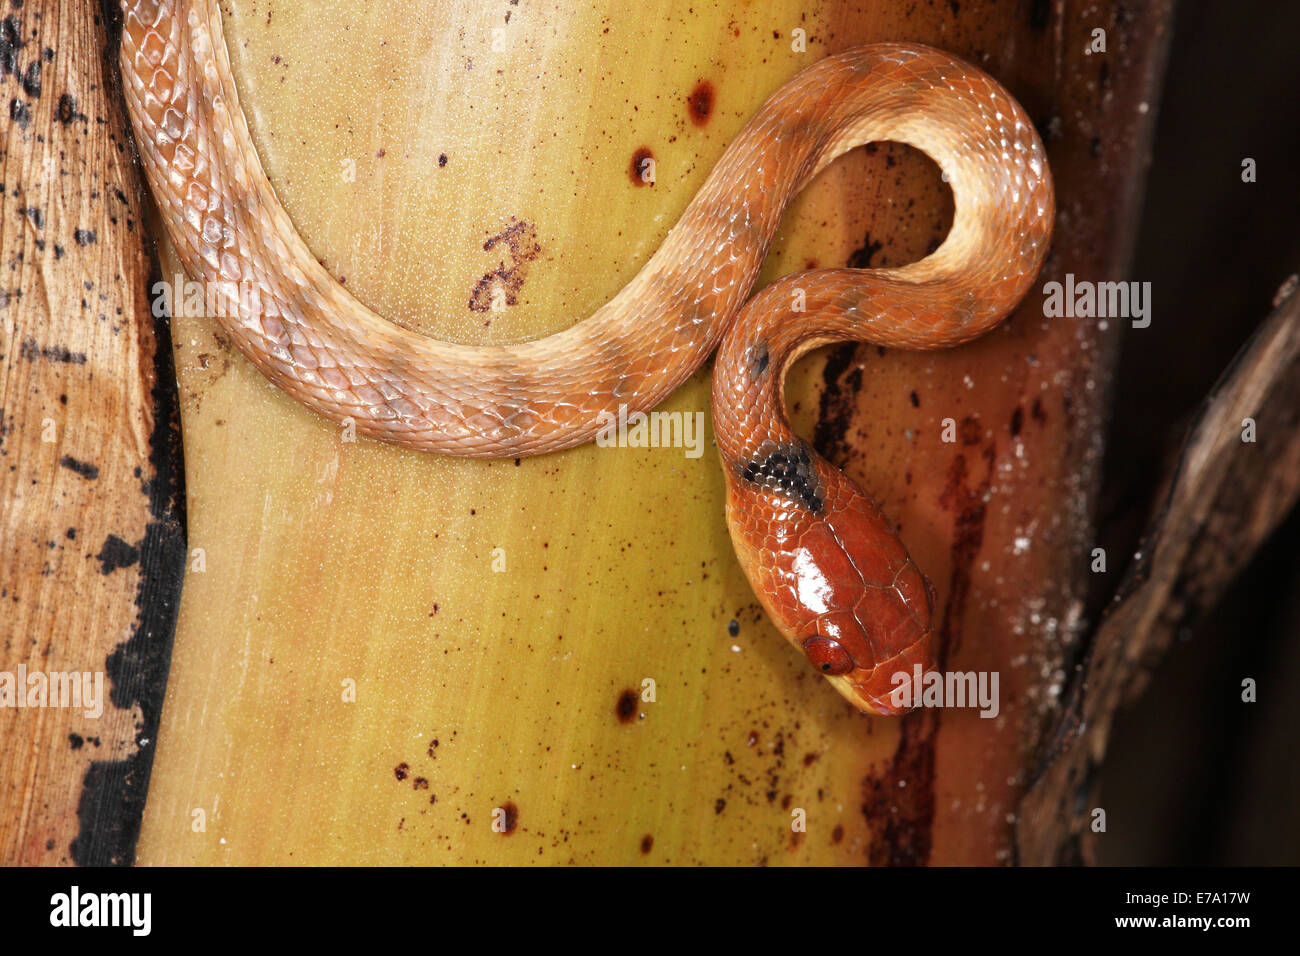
{"x":832,"y":574}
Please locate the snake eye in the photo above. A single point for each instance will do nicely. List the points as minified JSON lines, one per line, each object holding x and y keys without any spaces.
{"x":828,"y":656}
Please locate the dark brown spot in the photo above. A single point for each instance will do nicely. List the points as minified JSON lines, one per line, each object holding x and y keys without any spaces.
{"x":626,"y":706}
{"x":647,"y":844}
{"x":969,"y":507}
{"x":510,"y":820}
{"x":837,"y":834}
{"x":67,"y":110}
{"x":1017,"y":421}
{"x":520,"y":238}
{"x":700,"y":102}
{"x":638,"y":168}
{"x":401,"y":770}
{"x":902,"y":816}
{"x":969,"y":431}
{"x":442,"y":159}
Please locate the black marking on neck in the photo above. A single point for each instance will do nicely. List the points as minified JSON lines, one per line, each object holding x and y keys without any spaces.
{"x":758,"y":359}
{"x":787,"y":470}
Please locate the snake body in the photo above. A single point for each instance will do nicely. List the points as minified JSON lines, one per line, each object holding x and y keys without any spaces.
{"x":824,"y":561}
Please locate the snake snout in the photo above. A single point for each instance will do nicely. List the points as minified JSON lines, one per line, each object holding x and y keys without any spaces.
{"x":893,"y":687}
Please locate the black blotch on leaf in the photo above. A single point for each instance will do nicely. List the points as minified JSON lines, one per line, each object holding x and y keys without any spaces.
{"x":84,"y":469}
{"x":115,"y":554}
{"x":19,"y":113}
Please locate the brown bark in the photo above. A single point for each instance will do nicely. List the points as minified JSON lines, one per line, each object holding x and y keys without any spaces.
{"x":1237,"y":477}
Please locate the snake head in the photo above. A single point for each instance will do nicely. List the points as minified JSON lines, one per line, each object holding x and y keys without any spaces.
{"x":840,"y":586}
{"x":870,"y":653}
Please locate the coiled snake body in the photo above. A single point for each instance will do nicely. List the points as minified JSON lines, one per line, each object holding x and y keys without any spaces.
{"x":825,"y":562}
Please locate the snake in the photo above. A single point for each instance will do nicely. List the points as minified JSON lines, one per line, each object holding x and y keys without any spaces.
{"x":826,"y":563}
